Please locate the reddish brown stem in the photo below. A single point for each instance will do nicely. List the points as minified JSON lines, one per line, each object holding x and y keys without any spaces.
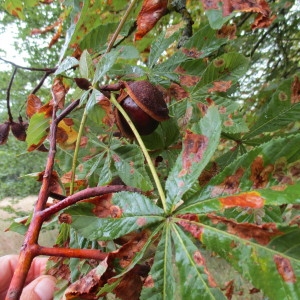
{"x":67,"y":252}
{"x":84,"y":194}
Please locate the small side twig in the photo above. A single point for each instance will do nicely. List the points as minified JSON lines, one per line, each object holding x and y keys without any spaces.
{"x":10,"y":117}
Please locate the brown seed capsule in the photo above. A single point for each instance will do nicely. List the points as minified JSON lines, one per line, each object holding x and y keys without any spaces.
{"x":4,"y":131}
{"x":19,"y":130}
{"x":144,"y":104}
{"x":83,"y":83}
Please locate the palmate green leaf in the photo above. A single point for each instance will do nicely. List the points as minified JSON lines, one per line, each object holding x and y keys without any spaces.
{"x":14,"y":7}
{"x":165,"y":135}
{"x":137,"y":210}
{"x":273,"y":272}
{"x":68,"y":63}
{"x":288,"y":194}
{"x":89,"y":19}
{"x":216,"y":18}
{"x":277,"y":113}
{"x":85,"y":65}
{"x":159,"y":45}
{"x":129,"y":162}
{"x":229,"y":67}
{"x":278,"y":153}
{"x":201,"y":44}
{"x":288,"y":244}
{"x":160,"y":284}
{"x":231,"y":121}
{"x":97,"y":38}
{"x":106,"y":62}
{"x":194,"y":280}
{"x":194,"y":157}
{"x":37,"y":130}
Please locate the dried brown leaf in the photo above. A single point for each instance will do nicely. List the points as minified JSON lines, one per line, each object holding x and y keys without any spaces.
{"x":151,"y":12}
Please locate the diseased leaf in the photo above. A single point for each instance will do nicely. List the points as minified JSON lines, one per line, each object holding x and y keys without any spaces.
{"x":149,"y":15}
{"x":86,"y":65}
{"x":247,"y":257}
{"x":37,"y":130}
{"x":160,"y":283}
{"x":228,"y":67}
{"x":136,"y":210}
{"x":104,"y":65}
{"x":68,"y":63}
{"x":281,"y":110}
{"x":195,"y":279}
{"x":198,"y":147}
{"x":129,"y":162}
{"x":34,"y":103}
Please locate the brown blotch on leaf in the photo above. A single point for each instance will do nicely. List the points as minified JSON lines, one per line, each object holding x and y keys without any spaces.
{"x":294,"y":169}
{"x":149,"y":282}
{"x":188,"y":222}
{"x":200,"y":261}
{"x":259,"y":173}
{"x":262,"y":234}
{"x":220,"y":86}
{"x":65,"y":218}
{"x":208,"y":174}
{"x":248,"y":199}
{"x":227,"y":31}
{"x":219,"y":62}
{"x":194,"y":146}
{"x":285,"y":269}
{"x":230,"y":185}
{"x":295,"y":90}
{"x":115,"y":211}
{"x":192,"y":52}
{"x":34,"y":104}
{"x":282,"y":96}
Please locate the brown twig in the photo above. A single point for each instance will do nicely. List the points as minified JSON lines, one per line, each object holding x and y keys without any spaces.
{"x":52,"y":70}
{"x":10,"y":117}
{"x":47,"y":73}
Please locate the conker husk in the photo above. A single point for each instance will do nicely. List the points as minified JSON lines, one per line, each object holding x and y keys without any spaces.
{"x":145,"y":105}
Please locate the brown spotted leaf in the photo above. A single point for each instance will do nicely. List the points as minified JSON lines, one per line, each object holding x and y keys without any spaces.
{"x":87,"y":286}
{"x":262,"y":234}
{"x":199,"y":145}
{"x":260,"y":7}
{"x":66,"y":135}
{"x":59,"y":91}
{"x":259,"y":173}
{"x":220,"y":86}
{"x":34,"y":103}
{"x":149,"y":15}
